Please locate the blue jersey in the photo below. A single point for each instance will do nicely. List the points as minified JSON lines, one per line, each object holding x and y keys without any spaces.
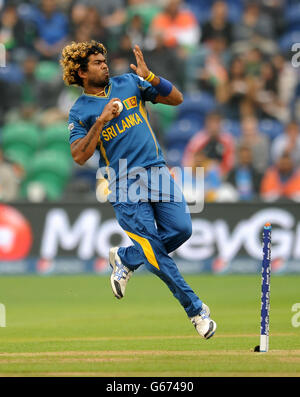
{"x":128,"y":136}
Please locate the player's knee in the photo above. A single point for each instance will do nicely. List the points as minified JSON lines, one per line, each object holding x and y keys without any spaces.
{"x":185,"y":231}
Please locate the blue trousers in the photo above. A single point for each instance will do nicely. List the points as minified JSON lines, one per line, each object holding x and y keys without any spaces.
{"x":157,"y":228}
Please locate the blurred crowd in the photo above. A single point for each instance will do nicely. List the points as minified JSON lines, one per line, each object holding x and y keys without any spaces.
{"x":232,"y":59}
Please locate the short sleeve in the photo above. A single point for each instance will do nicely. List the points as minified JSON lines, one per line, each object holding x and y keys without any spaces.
{"x":148,"y":92}
{"x":76,"y":128}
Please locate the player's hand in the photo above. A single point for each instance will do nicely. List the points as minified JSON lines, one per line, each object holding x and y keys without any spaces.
{"x":110,"y":111}
{"x":141,"y":69}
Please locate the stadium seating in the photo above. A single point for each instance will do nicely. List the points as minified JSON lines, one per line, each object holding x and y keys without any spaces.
{"x":47,"y":71}
{"x":146,"y":11}
{"x":20,"y":141}
{"x":56,"y":138}
{"x":51,"y":170}
{"x":32,"y":147}
{"x":166,"y":114}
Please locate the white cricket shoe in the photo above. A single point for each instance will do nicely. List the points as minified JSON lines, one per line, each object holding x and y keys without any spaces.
{"x":204,"y":325}
{"x":120,"y":273}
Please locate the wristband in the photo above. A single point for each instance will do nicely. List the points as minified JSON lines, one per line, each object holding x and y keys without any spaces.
{"x":164,"y":87}
{"x":150,"y":77}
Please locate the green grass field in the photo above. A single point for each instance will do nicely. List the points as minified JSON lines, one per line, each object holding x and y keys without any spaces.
{"x":73,"y":326}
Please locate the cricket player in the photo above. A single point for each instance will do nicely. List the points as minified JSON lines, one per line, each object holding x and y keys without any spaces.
{"x":156,"y":222}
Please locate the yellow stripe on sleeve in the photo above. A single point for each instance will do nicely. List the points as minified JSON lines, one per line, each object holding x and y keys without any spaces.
{"x":144,"y":115}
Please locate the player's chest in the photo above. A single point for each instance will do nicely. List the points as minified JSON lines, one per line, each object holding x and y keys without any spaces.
{"x":96,"y":106}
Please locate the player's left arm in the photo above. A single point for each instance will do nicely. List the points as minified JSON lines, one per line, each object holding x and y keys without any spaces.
{"x":167,"y":92}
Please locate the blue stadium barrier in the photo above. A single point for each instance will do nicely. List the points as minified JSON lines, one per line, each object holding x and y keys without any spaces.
{"x":197,"y":103}
{"x":87,"y":175}
{"x":178,"y":136}
{"x":288,"y":39}
{"x":271,"y":128}
{"x":174,"y":154}
{"x":12,"y":73}
{"x":292,"y":17}
{"x":202,"y":9}
{"x":292,"y":14}
{"x":290,"y":3}
{"x":27,"y":12}
{"x":233,"y":127}
{"x":195,"y":120}
{"x":297,"y":91}
{"x":293,"y":27}
{"x":235,"y":12}
{"x":182,"y":130}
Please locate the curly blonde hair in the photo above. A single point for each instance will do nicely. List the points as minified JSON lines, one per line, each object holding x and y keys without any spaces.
{"x":75,"y":56}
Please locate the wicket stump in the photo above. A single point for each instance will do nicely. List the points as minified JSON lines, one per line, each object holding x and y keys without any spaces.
{"x":265,"y":290}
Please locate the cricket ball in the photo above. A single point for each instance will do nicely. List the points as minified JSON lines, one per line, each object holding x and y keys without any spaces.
{"x":120,"y":106}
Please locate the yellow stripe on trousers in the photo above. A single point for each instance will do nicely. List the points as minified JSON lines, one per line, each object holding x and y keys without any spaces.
{"x":146,"y":246}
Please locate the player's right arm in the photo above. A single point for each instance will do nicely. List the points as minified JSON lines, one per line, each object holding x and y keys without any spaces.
{"x":83,"y":148}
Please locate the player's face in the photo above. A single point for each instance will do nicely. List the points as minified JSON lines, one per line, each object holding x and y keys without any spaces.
{"x":98,"y":72}
{"x":213,"y":125}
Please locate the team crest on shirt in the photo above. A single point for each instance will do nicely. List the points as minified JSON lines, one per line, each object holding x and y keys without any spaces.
{"x":130,"y":102}
{"x":71,"y":127}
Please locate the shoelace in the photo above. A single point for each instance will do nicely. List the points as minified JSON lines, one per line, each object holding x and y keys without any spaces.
{"x":203,"y":314}
{"x":121,"y":272}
